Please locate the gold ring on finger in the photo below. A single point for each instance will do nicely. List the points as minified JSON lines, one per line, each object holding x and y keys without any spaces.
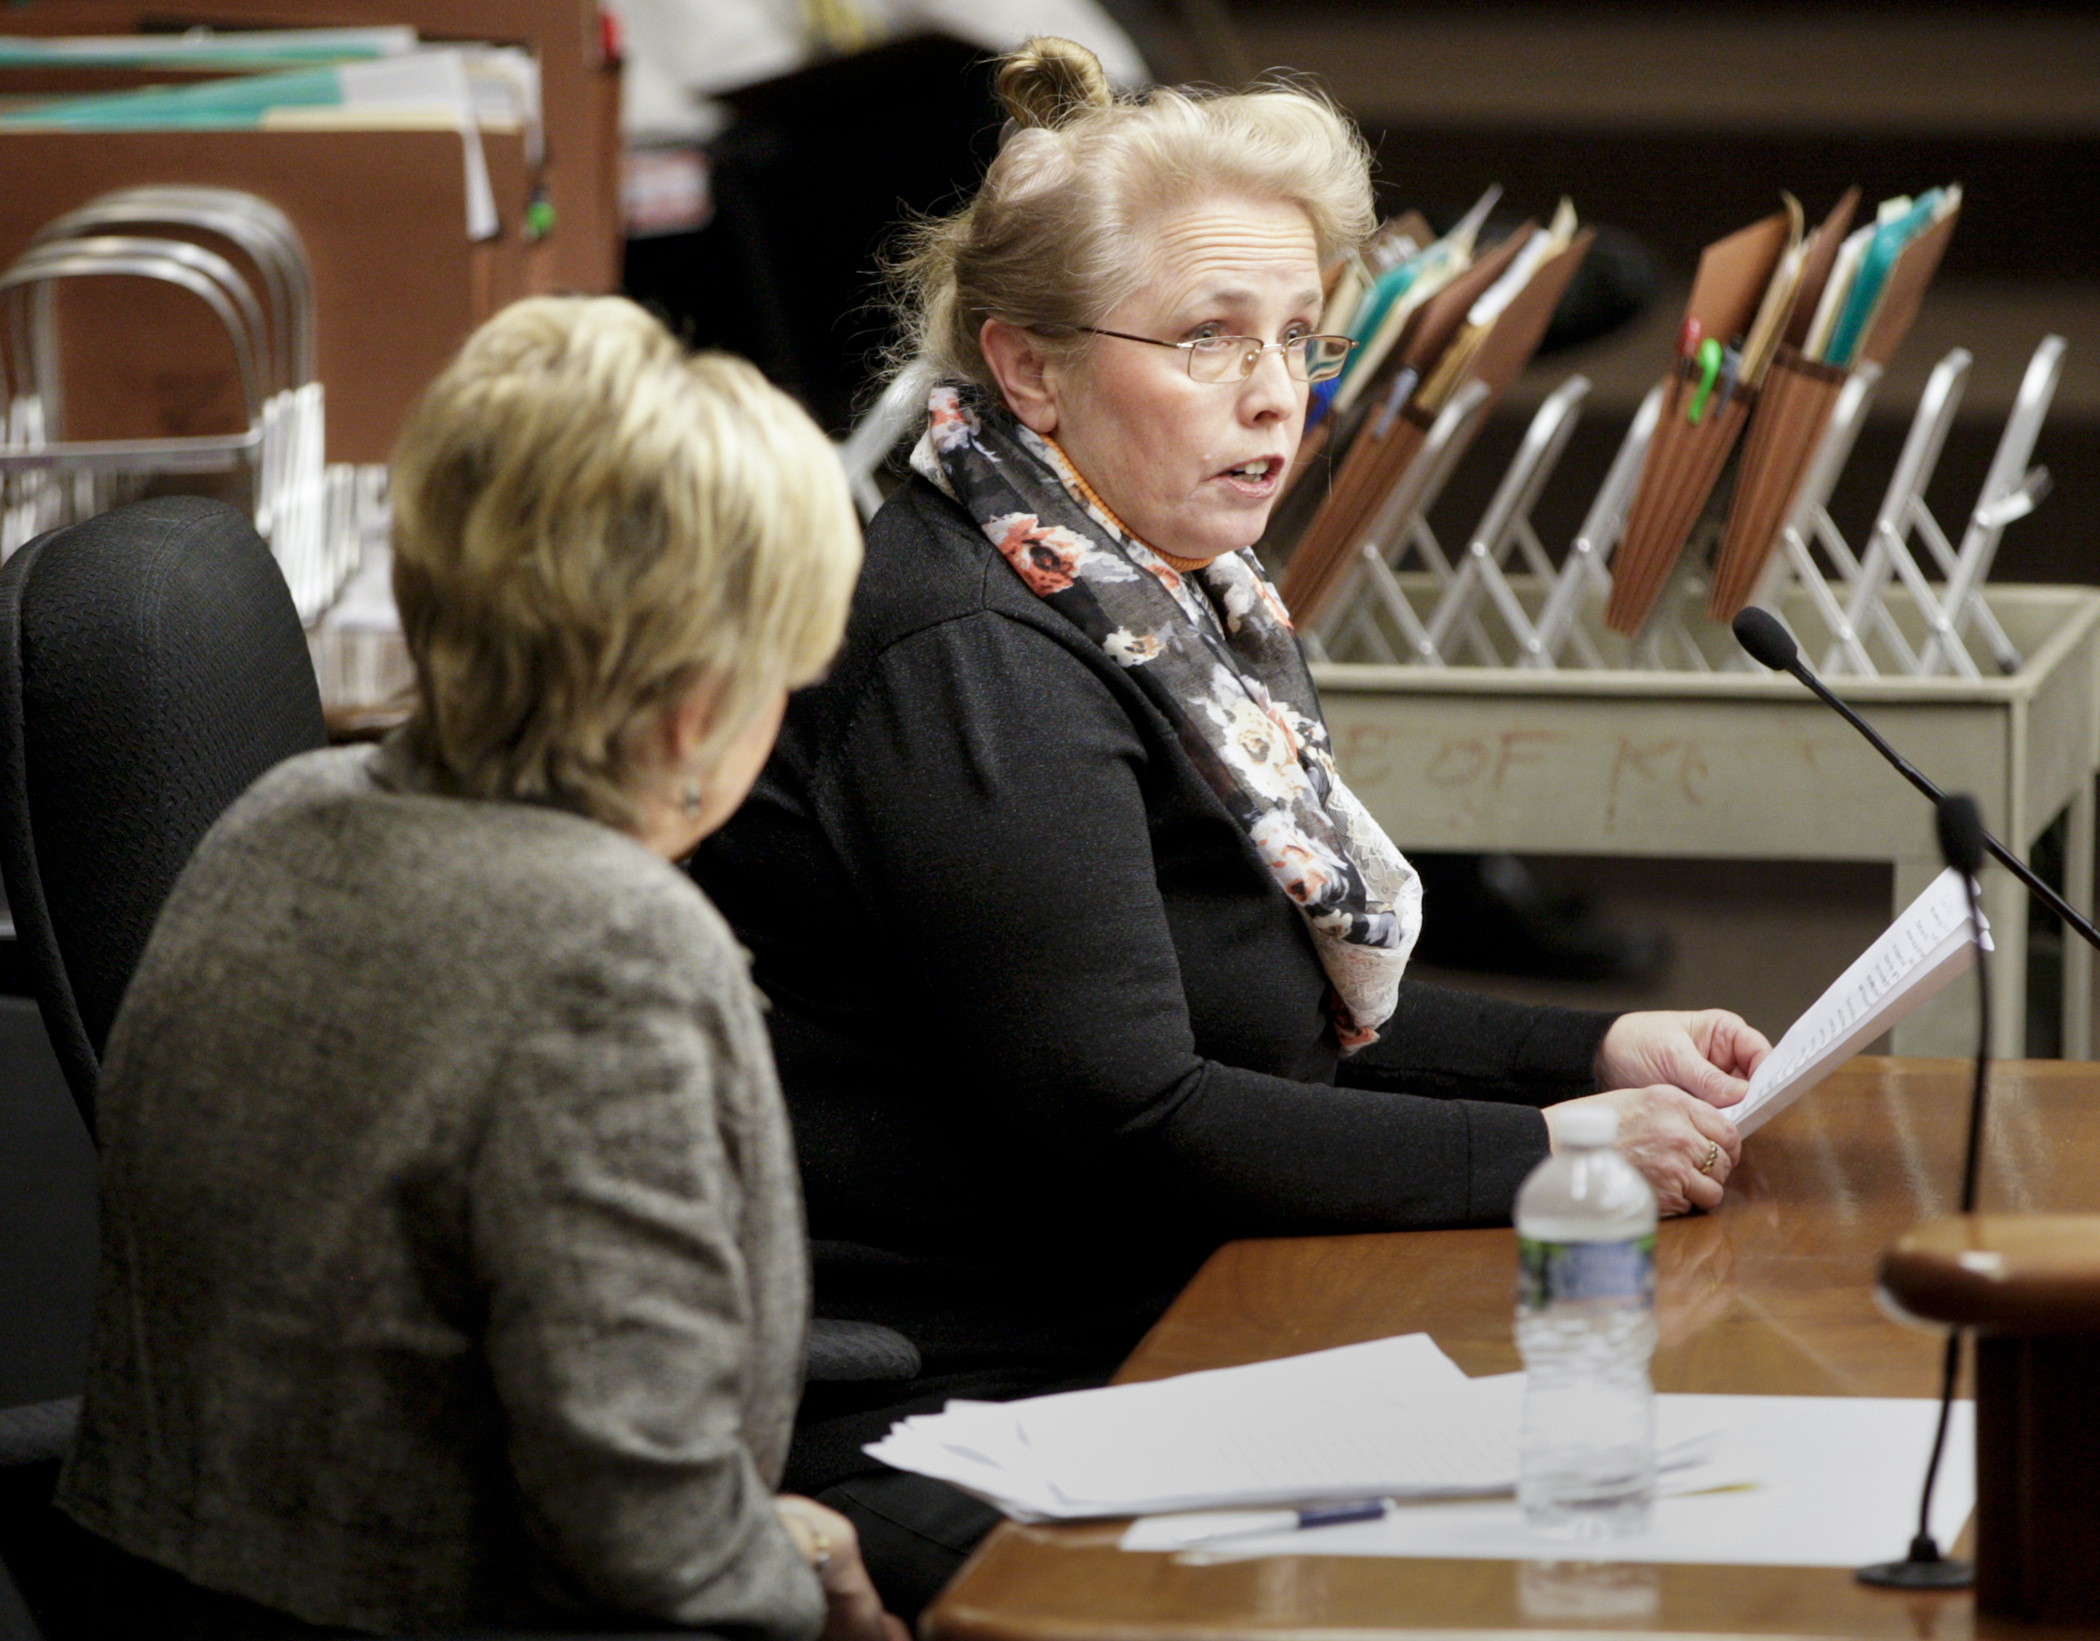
{"x":1713,"y":1155}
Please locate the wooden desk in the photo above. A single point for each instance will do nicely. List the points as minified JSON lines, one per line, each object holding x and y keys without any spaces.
{"x":1771,"y":1294}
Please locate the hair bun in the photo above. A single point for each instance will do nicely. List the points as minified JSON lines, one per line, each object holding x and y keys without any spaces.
{"x":1045,"y":81}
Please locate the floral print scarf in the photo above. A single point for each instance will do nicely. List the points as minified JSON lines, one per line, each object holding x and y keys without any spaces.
{"x":1222,"y":663}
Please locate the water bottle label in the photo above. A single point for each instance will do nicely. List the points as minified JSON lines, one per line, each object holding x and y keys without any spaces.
{"x":1551,"y":1271}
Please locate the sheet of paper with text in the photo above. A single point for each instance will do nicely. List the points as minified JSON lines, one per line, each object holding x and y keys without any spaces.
{"x":1915,"y":957}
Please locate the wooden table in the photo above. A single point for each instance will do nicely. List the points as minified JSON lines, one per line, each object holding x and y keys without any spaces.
{"x":1771,"y":1294}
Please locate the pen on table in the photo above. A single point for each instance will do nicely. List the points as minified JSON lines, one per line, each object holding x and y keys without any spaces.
{"x":1355,"y":1510}
{"x":1291,"y":1521}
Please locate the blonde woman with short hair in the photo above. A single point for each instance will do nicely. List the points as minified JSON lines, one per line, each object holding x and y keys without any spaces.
{"x":453,"y":1270}
{"x":1083,"y":956}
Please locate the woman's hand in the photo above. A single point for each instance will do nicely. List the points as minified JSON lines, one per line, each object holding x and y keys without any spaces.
{"x":1667,"y":1135}
{"x":1709,"y":1053}
{"x":853,"y":1611}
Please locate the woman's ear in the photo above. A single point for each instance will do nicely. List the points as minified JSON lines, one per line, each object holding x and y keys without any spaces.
{"x":1022,"y":369}
{"x":686,"y":725}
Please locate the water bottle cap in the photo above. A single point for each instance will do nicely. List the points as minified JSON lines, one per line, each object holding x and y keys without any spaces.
{"x":1589,"y":1127}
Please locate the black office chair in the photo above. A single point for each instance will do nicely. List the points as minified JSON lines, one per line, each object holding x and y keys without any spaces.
{"x":151,"y":667}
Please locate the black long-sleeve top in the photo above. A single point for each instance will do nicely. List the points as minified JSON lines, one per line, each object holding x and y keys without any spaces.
{"x":1048,"y":1029}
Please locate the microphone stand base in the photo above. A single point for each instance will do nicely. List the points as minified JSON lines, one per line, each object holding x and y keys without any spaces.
{"x":1940,"y":1573}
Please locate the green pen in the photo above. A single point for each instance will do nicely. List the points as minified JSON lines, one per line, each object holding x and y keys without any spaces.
{"x":1709,"y":356}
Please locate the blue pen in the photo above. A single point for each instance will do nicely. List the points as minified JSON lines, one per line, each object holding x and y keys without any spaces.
{"x":1286,"y":1521}
{"x":1395,"y":398}
{"x":1731,"y":365}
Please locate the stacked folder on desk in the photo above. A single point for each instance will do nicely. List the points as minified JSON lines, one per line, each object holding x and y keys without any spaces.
{"x":1439,"y":317}
{"x":463,"y":88}
{"x":1778,"y":319}
{"x":405,"y":166}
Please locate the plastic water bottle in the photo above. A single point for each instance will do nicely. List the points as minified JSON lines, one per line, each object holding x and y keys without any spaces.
{"x":1586,"y":1327}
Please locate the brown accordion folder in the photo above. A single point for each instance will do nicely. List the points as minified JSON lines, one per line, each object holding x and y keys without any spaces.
{"x":1905,"y":292}
{"x":1685,"y":458}
{"x":1794,"y":408}
{"x":1514,"y":337}
{"x":1388,"y":440}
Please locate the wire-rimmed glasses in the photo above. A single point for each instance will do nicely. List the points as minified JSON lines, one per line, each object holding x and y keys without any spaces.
{"x":1315,"y":358}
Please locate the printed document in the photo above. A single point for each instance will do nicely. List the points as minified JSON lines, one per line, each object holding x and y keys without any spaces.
{"x":1917,"y":955}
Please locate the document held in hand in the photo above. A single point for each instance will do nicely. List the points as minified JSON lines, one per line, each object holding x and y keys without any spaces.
{"x":1918,"y":954}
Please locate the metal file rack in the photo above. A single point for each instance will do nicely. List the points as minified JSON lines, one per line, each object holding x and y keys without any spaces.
{"x":1503,"y":602}
{"x":2011,"y":490}
{"x":1400,"y":536}
{"x":242,"y":260}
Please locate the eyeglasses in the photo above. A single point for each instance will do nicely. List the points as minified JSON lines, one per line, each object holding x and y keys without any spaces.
{"x":1233,"y":358}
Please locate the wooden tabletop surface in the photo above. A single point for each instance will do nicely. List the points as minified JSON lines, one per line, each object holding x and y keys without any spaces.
{"x":1772,"y":1293}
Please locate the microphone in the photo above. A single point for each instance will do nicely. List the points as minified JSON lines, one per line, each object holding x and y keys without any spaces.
{"x":1770,"y":644}
{"x":1962,"y":843}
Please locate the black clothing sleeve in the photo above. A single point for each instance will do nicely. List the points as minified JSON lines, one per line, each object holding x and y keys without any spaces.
{"x":997,"y":810}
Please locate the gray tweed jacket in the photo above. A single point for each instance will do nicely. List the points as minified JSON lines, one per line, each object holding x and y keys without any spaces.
{"x":453,"y":1266}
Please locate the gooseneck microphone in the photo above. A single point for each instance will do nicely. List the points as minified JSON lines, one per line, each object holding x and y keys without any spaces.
{"x":1962,"y":843}
{"x":1770,"y":644}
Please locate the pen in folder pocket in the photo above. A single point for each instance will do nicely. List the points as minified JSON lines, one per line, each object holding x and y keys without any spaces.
{"x":1710,"y":357}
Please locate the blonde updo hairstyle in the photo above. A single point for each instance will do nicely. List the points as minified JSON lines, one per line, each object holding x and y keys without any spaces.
{"x":590,"y":524}
{"x":1056,"y":237}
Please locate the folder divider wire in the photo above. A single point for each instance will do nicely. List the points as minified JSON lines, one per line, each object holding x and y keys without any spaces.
{"x":2011,"y":489}
{"x":1506,"y":527}
{"x":1348,"y":614}
{"x":1903,"y":510}
{"x":1582,"y":574}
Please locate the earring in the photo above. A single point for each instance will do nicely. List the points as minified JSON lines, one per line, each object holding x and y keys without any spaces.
{"x":689,"y":798}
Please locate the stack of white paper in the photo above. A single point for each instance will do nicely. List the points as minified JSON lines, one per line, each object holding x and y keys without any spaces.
{"x":1389,"y":1418}
{"x":1394,"y":1418}
{"x":1917,"y":955}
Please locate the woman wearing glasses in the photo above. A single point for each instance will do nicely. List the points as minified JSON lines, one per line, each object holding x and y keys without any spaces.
{"x":1082,"y":956}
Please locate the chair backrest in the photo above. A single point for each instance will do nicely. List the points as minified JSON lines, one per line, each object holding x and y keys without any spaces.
{"x":151,"y":667}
